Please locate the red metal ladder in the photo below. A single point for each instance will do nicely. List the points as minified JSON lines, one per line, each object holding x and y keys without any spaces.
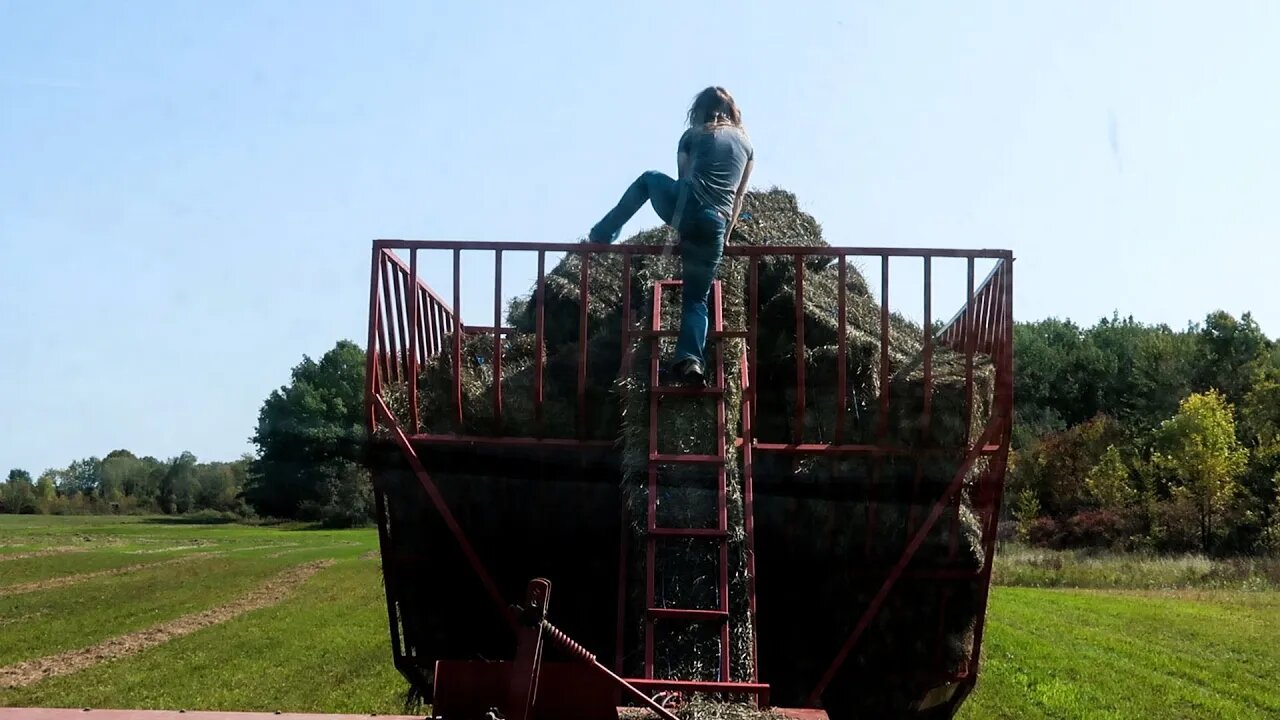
{"x":654,"y":533}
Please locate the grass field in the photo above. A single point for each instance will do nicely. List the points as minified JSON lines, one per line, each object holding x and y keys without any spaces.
{"x":152,"y":613}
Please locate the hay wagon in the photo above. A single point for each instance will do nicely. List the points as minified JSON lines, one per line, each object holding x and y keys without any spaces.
{"x":812,"y":530}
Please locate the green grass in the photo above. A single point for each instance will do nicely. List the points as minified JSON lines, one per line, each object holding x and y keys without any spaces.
{"x":1179,"y":650}
{"x":1108,"y":654}
{"x":1019,"y":566}
{"x":323,"y":650}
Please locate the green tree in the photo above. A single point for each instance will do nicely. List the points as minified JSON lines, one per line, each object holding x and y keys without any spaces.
{"x":82,"y":476}
{"x":1235,"y":354}
{"x":18,"y":494}
{"x":1199,"y":449}
{"x":178,"y":484}
{"x":308,"y":431}
{"x":1109,"y":481}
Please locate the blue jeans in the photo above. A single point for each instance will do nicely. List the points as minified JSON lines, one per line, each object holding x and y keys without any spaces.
{"x":701,"y":247}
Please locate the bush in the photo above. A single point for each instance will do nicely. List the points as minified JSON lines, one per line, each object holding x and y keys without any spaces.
{"x":1044,"y":532}
{"x":1096,"y":529}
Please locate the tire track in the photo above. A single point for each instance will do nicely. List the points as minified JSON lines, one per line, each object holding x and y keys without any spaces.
{"x":272,"y":592}
{"x":44,"y":553}
{"x":65,"y":580}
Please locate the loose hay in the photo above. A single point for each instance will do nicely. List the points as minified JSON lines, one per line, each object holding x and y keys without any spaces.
{"x":826,"y":530}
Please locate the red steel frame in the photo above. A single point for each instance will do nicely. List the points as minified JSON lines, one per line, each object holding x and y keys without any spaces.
{"x":409,"y":323}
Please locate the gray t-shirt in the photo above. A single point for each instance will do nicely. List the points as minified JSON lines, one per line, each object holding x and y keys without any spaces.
{"x":717,"y":158}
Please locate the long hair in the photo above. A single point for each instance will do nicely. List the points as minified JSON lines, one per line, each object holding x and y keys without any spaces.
{"x":714,"y":106}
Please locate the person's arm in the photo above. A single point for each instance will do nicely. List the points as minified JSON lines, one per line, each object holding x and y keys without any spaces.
{"x":737,"y":200}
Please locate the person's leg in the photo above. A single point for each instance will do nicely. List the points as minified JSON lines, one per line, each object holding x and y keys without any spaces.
{"x":651,"y":186}
{"x":701,"y":250}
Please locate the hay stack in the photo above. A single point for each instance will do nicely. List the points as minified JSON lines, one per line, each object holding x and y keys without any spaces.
{"x":826,"y":530}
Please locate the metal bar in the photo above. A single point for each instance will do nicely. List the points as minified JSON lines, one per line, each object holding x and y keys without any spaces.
{"x":842,"y":394}
{"x":883,"y":425}
{"x":488,"y":330}
{"x":651,"y":499}
{"x":457,"y":339}
{"x":722,"y":500}
{"x":748,"y":511}
{"x":968,"y":353}
{"x":509,"y":441}
{"x":753,"y":314}
{"x":540,"y":340}
{"x":711,"y":334}
{"x":497,"y":340}
{"x":584,"y":297}
{"x":442,"y":507}
{"x":625,"y":331}
{"x":371,"y":349}
{"x":688,"y":614}
{"x":879,"y":598}
{"x":1003,"y":409}
{"x":427,"y":330}
{"x":402,"y":299}
{"x":888,"y":450}
{"x":388,"y":325}
{"x":729,"y":250}
{"x":414,"y":336}
{"x":798,"y":431}
{"x":705,"y":686}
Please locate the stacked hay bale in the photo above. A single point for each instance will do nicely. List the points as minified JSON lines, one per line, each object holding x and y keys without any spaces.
{"x":826,"y":529}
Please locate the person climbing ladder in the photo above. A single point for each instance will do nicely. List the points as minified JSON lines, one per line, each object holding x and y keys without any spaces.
{"x":714,"y":159}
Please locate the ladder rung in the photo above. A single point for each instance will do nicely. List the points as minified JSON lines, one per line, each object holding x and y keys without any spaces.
{"x":711,"y":334}
{"x":700,"y":685}
{"x":686,"y":391}
{"x":688,"y":532}
{"x":666,"y":458}
{"x":687,"y":614}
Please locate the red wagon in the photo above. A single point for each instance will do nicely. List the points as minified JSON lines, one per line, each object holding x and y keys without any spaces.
{"x":470,"y":609}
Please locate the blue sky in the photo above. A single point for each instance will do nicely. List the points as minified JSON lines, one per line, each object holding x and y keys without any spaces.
{"x":188,"y":189}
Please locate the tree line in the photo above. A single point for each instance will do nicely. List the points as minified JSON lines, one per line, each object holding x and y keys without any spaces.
{"x":1126,"y":435}
{"x":1139,"y":436}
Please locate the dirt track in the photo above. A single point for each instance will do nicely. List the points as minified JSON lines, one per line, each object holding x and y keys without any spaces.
{"x":269,"y":593}
{"x":44,"y":553}
{"x":65,"y":580}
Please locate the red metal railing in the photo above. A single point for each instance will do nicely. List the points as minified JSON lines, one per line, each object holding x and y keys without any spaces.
{"x":409,"y":325}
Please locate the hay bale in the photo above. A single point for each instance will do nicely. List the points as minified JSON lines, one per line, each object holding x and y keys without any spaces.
{"x":824,"y":528}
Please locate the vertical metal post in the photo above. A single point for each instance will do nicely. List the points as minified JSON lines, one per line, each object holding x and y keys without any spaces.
{"x":402,"y":359}
{"x":497,"y":340}
{"x":842,"y":395}
{"x":626,"y":315}
{"x":371,"y":350}
{"x":883,"y":426}
{"x":651,"y":499}
{"x":584,"y":298}
{"x":389,"y":322}
{"x":457,"y":338}
{"x":722,"y":499}
{"x":414,"y":336}
{"x":748,"y":515}
{"x":798,"y":432}
{"x":970,"y":316}
{"x":540,"y":340}
{"x":753,"y":314}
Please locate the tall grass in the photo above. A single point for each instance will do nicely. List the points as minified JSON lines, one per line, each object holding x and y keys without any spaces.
{"x":1022,"y":566}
